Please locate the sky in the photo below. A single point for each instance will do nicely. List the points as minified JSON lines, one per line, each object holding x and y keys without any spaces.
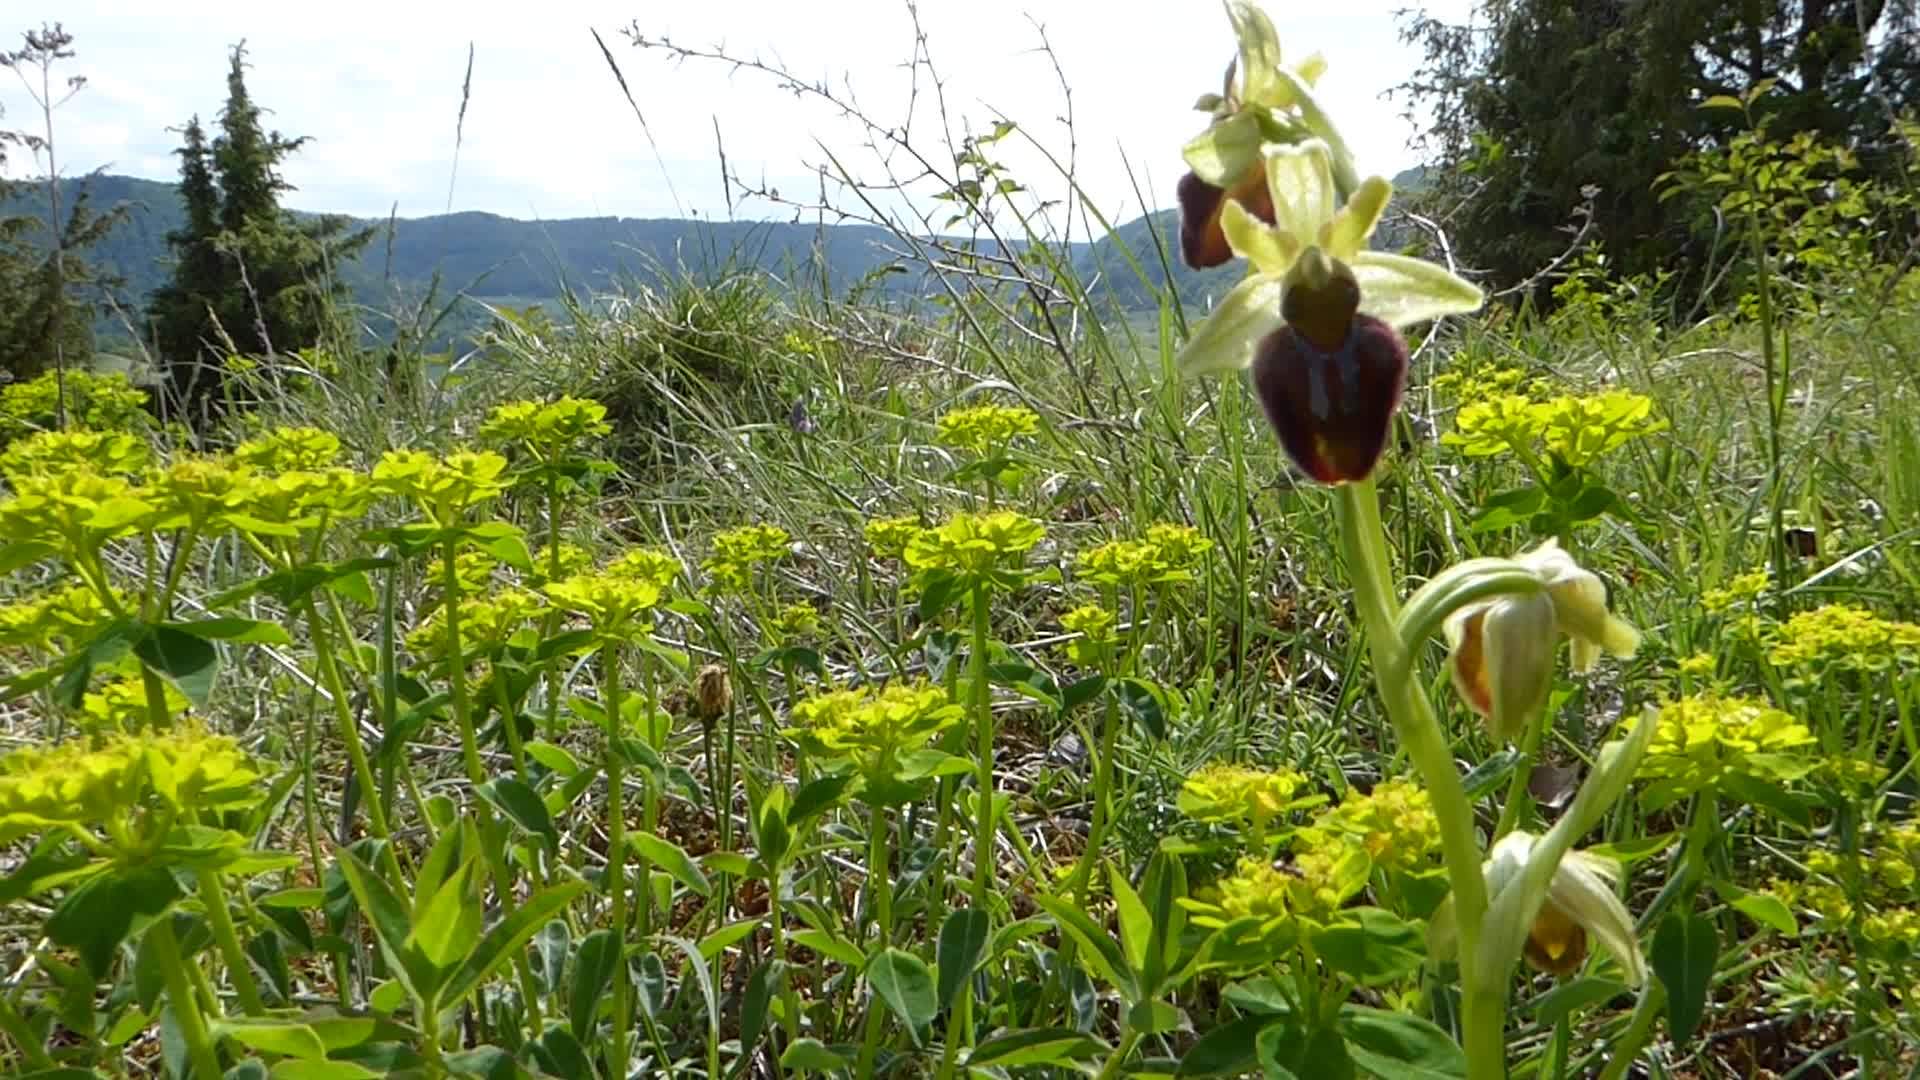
{"x":376,"y":87}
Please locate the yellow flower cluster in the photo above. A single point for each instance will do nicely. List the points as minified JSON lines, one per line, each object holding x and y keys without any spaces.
{"x":290,"y":449}
{"x":487,"y":623}
{"x":986,"y":429}
{"x":1574,"y":428}
{"x":872,"y":728}
{"x":1394,"y":823}
{"x":76,"y":783}
{"x":57,"y":618}
{"x":1742,"y":590}
{"x":548,"y":430}
{"x":444,"y":489}
{"x":95,"y":402}
{"x":1488,"y":383}
{"x":970,"y":543}
{"x":651,"y":565}
{"x":63,"y":451}
{"x":1097,"y":634}
{"x":616,"y":605}
{"x":889,"y":537}
{"x":736,"y":552}
{"x":121,"y":705}
{"x":1702,"y":739}
{"x":1167,"y":553}
{"x":794,"y":622}
{"x":1239,"y":794}
{"x":1843,"y":636}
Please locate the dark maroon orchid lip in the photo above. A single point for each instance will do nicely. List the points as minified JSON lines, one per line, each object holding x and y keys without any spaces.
{"x":1332,"y":407}
{"x":1203,"y":243}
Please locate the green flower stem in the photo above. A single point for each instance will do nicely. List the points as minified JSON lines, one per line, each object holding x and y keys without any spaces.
{"x":186,"y":1007}
{"x":777,"y":933}
{"x":616,"y":878}
{"x":880,"y":886}
{"x":1517,"y":787}
{"x":1701,"y":828}
{"x":213,"y":895}
{"x":983,"y":751}
{"x":1483,"y":994}
{"x":470,"y":753}
{"x":350,"y":736}
{"x":1129,"y":1039}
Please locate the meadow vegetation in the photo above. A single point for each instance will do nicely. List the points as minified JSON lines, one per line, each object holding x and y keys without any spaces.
{"x":726,"y":680}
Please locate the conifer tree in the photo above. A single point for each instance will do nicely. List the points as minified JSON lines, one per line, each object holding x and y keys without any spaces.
{"x":43,"y":275}
{"x":249,"y":276}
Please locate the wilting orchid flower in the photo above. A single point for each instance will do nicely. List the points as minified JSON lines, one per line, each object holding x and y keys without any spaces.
{"x":1502,"y":650}
{"x":1318,"y":317}
{"x":1579,"y":903}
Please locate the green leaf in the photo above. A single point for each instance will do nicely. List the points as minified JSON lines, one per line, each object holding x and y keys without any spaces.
{"x":1397,"y":1044}
{"x":703,"y":978}
{"x":508,"y":936}
{"x":727,"y":936}
{"x":816,"y":798}
{"x":830,"y":946}
{"x":1637,"y":849}
{"x":1155,"y":1017}
{"x":670,"y":857}
{"x":242,"y":631}
{"x":1227,"y":1050}
{"x":323,"y":1070}
{"x":902,"y":981}
{"x":812,"y":1055}
{"x":1685,"y":949}
{"x":446,"y":929}
{"x":761,"y":985}
{"x":1491,"y":773}
{"x":1142,"y":703}
{"x":962,"y":942}
{"x":391,"y":927}
{"x":515,"y":799}
{"x":186,"y":660}
{"x":287,"y":1038}
{"x":1723,"y":101}
{"x":1136,"y":926}
{"x":1767,"y":910}
{"x":1507,"y":509}
{"x":553,"y":758}
{"x":1568,"y":998}
{"x":1592,"y":501}
{"x":1036,"y":1046}
{"x":1372,"y":945}
{"x":593,"y":968}
{"x":1101,"y":954}
{"x":94,"y":918}
{"x":1285,"y":1052}
{"x":17,"y":554}
{"x":1259,"y":995}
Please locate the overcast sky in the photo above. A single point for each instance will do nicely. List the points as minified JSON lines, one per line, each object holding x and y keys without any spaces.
{"x":549,"y":135}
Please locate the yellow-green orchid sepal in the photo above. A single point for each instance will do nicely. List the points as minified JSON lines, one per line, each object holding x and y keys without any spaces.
{"x":1225,"y":151}
{"x":1225,"y":341}
{"x":1401,"y":291}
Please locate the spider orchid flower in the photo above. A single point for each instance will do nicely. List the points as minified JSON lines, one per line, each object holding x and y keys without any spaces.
{"x":1318,"y":317}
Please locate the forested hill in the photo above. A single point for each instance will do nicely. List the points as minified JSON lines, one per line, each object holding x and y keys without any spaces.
{"x":490,"y":256}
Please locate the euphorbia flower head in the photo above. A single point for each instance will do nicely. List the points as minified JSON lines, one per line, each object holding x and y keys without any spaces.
{"x":1317,"y":319}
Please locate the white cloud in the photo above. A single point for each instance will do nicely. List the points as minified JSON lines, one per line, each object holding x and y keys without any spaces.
{"x":548,"y":134}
